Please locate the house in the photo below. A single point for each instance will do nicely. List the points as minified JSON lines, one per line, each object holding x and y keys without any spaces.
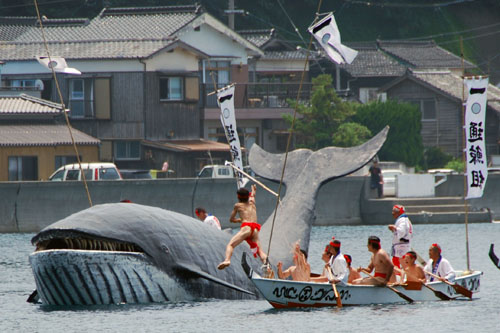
{"x":145,"y":75}
{"x":380,"y":62}
{"x":35,"y":140}
{"x":438,"y":93}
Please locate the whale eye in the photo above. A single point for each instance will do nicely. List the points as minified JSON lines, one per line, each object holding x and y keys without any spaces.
{"x":165,"y":249}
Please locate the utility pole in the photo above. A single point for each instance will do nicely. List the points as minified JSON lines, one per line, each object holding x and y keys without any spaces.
{"x":230,"y":14}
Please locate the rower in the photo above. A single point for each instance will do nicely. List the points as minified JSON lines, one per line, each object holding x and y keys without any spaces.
{"x":438,"y":265}
{"x":353,"y":274}
{"x":413,"y":272}
{"x":337,"y":264}
{"x":301,"y":271}
{"x":379,"y":261}
{"x":249,"y":231}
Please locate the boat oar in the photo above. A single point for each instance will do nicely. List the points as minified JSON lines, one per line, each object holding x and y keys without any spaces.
{"x":458,"y":288}
{"x":400,"y":294}
{"x":439,"y":294}
{"x":493,"y":256}
{"x":336,"y":293}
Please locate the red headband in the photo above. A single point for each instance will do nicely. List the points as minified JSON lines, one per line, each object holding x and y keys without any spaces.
{"x":435,"y":245}
{"x":197,"y":212}
{"x":399,"y":208}
{"x":374,"y":241}
{"x":347,"y":259}
{"x":410,"y":255}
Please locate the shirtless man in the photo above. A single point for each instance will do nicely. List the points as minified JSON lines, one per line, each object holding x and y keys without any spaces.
{"x":380,"y":261}
{"x":414,"y":273}
{"x":353,"y":274}
{"x":249,"y":231}
{"x":301,"y":271}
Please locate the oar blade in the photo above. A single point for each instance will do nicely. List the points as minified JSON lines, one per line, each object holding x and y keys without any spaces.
{"x":462,"y":290}
{"x":439,"y":294}
{"x":400,"y":294}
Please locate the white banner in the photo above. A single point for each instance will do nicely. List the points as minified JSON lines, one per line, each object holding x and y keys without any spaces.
{"x":58,"y":64}
{"x":475,"y":135}
{"x":225,"y":99}
{"x":328,"y":36}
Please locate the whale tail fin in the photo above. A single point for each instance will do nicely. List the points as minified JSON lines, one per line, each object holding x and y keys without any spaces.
{"x":322,"y":165}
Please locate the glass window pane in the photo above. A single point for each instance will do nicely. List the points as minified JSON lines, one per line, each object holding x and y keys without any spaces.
{"x":429,"y":110}
{"x":72,"y":174}
{"x":175,"y":88}
{"x":121,"y":149}
{"x":163,"y":88}
{"x":76,"y":89}
{"x":13,"y":168}
{"x":135,"y":149}
{"x":108,"y":173}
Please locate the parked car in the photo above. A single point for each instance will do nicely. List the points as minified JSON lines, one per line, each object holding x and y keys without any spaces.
{"x":93,"y":171}
{"x":389,"y":176}
{"x":135,"y":174}
{"x":216,"y":171}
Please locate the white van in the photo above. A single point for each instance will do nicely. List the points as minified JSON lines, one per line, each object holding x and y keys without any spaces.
{"x":93,"y":171}
{"x":216,"y":171}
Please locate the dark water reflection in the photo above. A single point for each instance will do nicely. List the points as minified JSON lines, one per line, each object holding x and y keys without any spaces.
{"x":481,"y":314}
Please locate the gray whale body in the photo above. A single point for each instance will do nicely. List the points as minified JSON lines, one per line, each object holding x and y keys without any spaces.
{"x":129,"y":253}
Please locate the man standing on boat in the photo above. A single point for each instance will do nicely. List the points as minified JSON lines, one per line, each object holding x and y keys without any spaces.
{"x":249,"y":231}
{"x":438,"y":265}
{"x":337,"y":264}
{"x":380,"y":261}
{"x":209,"y":219}
{"x":402,"y":231}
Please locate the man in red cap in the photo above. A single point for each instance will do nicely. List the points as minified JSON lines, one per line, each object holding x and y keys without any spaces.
{"x":402,"y":232}
{"x":438,"y":265}
{"x":249,"y":230}
{"x":337,"y":264}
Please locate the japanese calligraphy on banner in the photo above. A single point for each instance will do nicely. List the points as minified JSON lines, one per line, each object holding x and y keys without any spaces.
{"x":225,"y":99}
{"x":475,"y":154}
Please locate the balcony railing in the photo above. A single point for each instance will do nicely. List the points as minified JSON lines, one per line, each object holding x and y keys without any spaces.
{"x":260,"y":95}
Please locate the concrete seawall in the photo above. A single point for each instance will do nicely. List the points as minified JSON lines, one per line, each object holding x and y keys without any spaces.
{"x":31,"y":206}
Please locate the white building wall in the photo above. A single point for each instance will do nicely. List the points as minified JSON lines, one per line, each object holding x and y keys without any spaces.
{"x":84,"y":66}
{"x":178,"y":60}
{"x":280,"y":65}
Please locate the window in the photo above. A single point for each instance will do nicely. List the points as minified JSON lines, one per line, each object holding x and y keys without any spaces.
{"x":22,"y":83}
{"x":427,"y":107}
{"x":171,"y":88}
{"x":127,"y":150}
{"x":23,"y":168}
{"x":220,"y":70}
{"x":367,"y":94}
{"x":81,"y":98}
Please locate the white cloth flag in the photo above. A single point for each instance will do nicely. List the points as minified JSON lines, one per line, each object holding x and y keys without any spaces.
{"x":328,"y":36}
{"x":225,"y":99}
{"x":59,"y":65}
{"x":475,"y":112}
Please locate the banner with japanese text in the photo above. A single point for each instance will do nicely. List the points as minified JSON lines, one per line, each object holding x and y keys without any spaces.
{"x":475,"y":136}
{"x":225,"y":99}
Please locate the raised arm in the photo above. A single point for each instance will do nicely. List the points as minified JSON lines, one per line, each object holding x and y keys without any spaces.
{"x":252,"y":195}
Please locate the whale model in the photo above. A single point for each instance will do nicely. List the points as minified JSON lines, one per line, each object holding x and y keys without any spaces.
{"x":129,"y":253}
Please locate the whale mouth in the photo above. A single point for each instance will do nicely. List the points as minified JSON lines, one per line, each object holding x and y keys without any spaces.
{"x":80,"y":241}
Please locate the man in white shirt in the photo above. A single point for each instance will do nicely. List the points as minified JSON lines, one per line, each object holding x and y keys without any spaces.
{"x":438,"y":265}
{"x":338,"y":265}
{"x":207,"y":218}
{"x":402,"y":231}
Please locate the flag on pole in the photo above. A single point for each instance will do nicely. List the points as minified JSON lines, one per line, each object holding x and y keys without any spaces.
{"x":475,"y":153}
{"x":328,"y":36}
{"x":225,"y":99}
{"x":59,"y":65}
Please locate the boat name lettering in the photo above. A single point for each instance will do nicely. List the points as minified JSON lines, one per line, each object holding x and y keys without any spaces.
{"x":306,"y":293}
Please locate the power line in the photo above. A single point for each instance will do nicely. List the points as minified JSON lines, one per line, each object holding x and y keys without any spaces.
{"x":454,"y":32}
{"x":406,"y":5}
{"x":40,"y":4}
{"x":471,"y":37}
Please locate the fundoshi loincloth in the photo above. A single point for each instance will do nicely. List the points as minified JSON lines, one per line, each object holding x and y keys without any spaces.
{"x":253,"y":245}
{"x":382,"y":275}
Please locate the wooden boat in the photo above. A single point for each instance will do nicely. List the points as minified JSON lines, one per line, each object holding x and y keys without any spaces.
{"x":290,"y":294}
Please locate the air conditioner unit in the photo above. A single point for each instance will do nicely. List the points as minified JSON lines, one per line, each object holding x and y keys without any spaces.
{"x":39,"y":84}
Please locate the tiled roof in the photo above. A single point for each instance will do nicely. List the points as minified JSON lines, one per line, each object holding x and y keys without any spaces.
{"x":257,"y":37}
{"x":119,"y":24}
{"x":451,"y":84}
{"x":42,"y":135}
{"x":422,"y":54}
{"x":117,"y":49}
{"x":285,"y":55}
{"x":371,"y":62}
{"x":25,"y":104}
{"x":197,"y":145}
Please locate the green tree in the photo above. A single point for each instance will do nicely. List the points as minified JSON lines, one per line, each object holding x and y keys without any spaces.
{"x":404,"y":142}
{"x":321,"y":119}
{"x":351,"y":134}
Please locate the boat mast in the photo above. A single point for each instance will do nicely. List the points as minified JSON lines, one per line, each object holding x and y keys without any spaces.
{"x":464,"y":156}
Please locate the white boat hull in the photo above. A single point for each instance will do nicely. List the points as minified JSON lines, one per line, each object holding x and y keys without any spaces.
{"x":78,"y":277}
{"x":289,"y":294}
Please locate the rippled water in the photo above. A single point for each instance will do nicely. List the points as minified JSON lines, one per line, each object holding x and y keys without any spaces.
{"x":482,"y":314}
